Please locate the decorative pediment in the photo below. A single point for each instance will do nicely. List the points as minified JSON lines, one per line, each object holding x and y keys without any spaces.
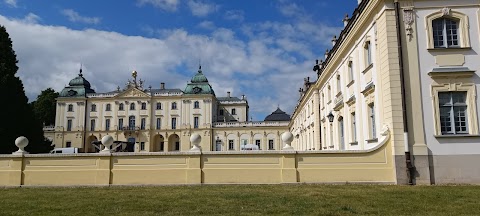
{"x":132,"y":92}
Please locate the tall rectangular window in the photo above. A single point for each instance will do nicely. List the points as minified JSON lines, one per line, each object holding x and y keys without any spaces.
{"x":142,"y":146}
{"x":354,"y":128}
{"x":371,"y":112}
{"x":221,"y":112}
{"x":107,"y":124}
{"x":68,"y":144}
{"x":92,"y":125}
{"x":453,"y":112}
{"x":234,"y":111}
{"x":270,"y":145}
{"x":445,"y":33}
{"x":120,"y":123}
{"x":159,"y":106}
{"x":174,"y":123}
{"x":142,"y":123}
{"x":368,"y":53}
{"x":69,"y":125}
{"x":230,"y":145}
{"x":159,"y":123}
{"x":341,"y":133}
{"x":195,"y":122}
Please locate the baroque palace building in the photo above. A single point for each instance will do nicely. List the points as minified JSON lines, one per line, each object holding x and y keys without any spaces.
{"x":407,"y":65}
{"x":160,"y":120}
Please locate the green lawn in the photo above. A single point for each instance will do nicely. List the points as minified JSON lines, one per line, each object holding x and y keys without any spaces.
{"x":243,"y":200}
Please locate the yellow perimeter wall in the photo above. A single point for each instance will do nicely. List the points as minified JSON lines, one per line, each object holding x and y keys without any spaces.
{"x":262,"y":167}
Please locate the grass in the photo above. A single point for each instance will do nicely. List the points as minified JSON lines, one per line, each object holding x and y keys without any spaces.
{"x":299,"y":199}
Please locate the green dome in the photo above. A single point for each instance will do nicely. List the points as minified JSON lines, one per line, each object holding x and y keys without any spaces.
{"x":199,"y":77}
{"x":199,"y":84}
{"x":79,"y":81}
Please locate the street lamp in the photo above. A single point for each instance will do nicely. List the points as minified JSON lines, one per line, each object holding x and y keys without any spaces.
{"x":330,"y":117}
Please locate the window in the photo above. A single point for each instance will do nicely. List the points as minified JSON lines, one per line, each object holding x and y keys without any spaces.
{"x":257,"y":143}
{"x":234,"y":112}
{"x":371,"y":112}
{"x":142,"y":146}
{"x":341,"y":133}
{"x":93,"y":108}
{"x":159,"y":123}
{"x":177,"y":146}
{"x":350,"y":70}
{"x":68,"y":144}
{"x":132,"y":106}
{"x":70,"y":108}
{"x":131,"y":122}
{"x":174,"y":105}
{"x":339,"y":84}
{"x":120,"y":123}
{"x":174,"y":123}
{"x":196,"y":105}
{"x":221,"y":112}
{"x":142,"y":123}
{"x":270,"y":145}
{"x":453,"y":112}
{"x":354,"y":128}
{"x":108,"y":107}
{"x":92,"y":125}
{"x":144,"y":106}
{"x":120,"y":107}
{"x":447,"y":28}
{"x":195,"y":122}
{"x":445,"y":33}
{"x":230,"y":145}
{"x":159,"y":106}
{"x":368,"y":53}
{"x":69,"y":125}
{"x":107,"y":124}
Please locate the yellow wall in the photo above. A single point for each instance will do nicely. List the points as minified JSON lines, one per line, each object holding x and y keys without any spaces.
{"x":235,"y":167}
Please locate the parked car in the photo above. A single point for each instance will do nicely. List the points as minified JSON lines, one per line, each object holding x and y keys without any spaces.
{"x":64,"y":151}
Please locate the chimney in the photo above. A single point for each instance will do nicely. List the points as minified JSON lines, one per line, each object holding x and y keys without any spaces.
{"x":228,"y":94}
{"x":243,"y":97}
{"x":162,"y":85}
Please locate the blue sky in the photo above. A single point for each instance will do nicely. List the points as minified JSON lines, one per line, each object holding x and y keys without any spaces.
{"x":263,"y":49}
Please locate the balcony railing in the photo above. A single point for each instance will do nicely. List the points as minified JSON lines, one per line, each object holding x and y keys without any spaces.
{"x":49,"y":128}
{"x":129,"y":128}
{"x":250,"y":124}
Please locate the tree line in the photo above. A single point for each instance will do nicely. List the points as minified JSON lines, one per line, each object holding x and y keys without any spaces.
{"x":18,"y":116}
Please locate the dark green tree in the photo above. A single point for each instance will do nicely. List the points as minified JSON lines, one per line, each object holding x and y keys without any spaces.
{"x":16,"y":115}
{"x":44,"y":107}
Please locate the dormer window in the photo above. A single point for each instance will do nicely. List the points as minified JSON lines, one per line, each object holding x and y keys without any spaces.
{"x":445,"y":33}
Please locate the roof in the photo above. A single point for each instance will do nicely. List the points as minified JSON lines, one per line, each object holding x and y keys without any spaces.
{"x":199,"y":84}
{"x":77,"y":87}
{"x":229,"y":99}
{"x":278,"y":115}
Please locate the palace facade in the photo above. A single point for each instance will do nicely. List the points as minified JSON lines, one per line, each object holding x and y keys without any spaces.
{"x":161,"y":120}
{"x":410,"y":66}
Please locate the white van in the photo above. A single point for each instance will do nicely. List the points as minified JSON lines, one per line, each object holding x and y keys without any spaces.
{"x":64,"y":151}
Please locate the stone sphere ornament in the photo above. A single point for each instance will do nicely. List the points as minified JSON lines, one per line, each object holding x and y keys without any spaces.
{"x":195,"y":139}
{"x":107,"y":141}
{"x":287,"y":138}
{"x":21,"y":143}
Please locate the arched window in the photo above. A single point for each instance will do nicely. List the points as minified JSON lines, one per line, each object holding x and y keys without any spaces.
{"x":93,"y":108}
{"x":445,"y":33}
{"x":120,"y":107}
{"x":108,"y":107}
{"x":196,"y":105}
{"x":174,"y":105}
{"x":144,"y":106}
{"x":132,"y":106}
{"x":70,"y":108}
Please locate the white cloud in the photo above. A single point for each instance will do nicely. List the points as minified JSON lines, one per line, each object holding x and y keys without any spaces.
{"x":31,"y":18}
{"x":207,"y":25}
{"x":234,"y":15}
{"x":167,"y":5}
{"x":201,"y":9}
{"x":266,"y":69}
{"x":73,"y":16}
{"x":11,"y":3}
{"x":291,"y":9}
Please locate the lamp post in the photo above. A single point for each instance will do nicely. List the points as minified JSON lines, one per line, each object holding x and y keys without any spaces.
{"x":330,"y":119}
